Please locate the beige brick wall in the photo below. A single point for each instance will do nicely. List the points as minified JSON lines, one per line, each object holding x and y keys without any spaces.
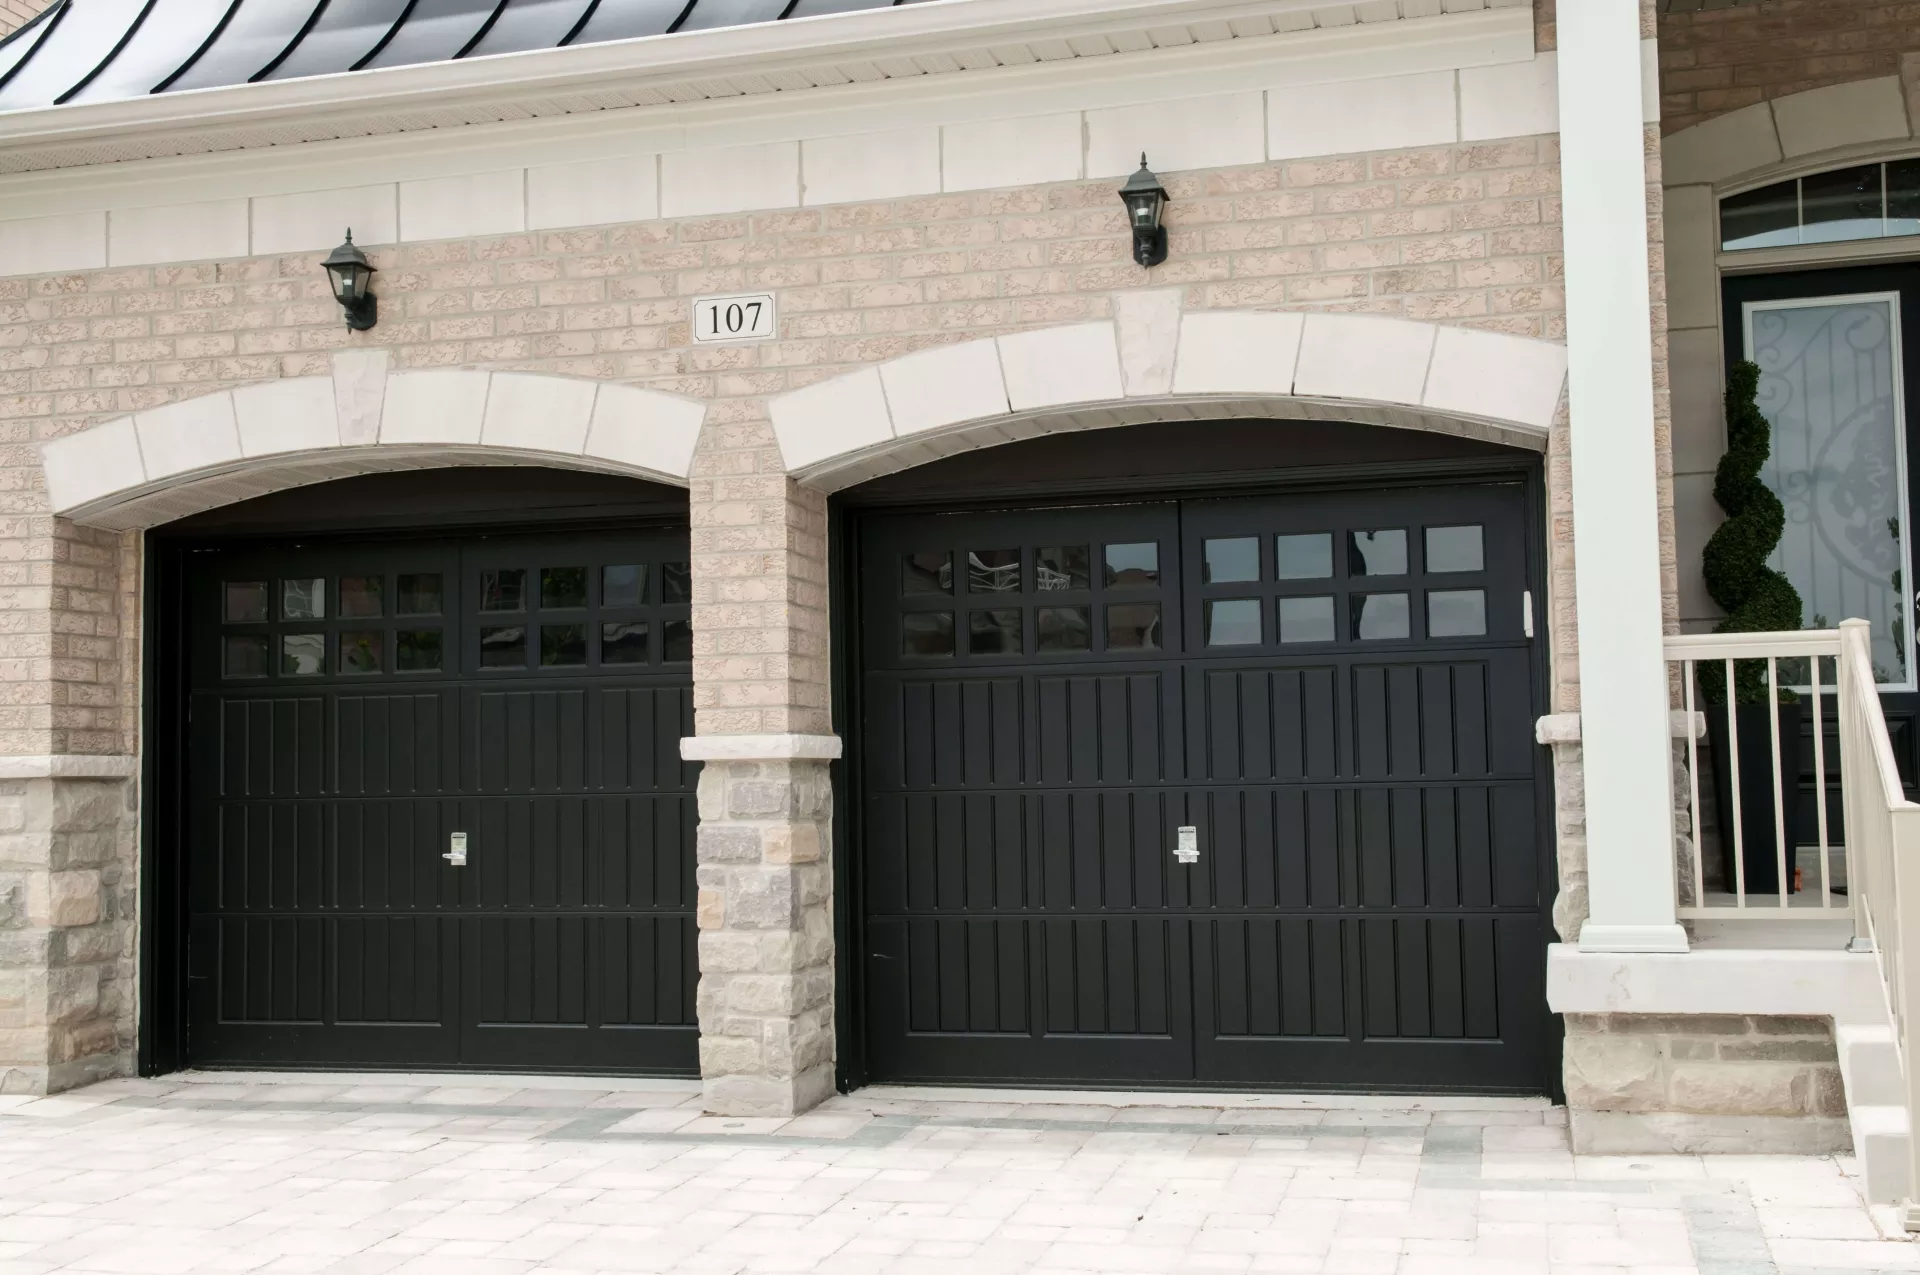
{"x":1720,"y":60}
{"x":1465,"y":234}
{"x":15,"y":14}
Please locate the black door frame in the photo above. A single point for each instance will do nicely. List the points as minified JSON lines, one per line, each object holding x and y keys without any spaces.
{"x":1900,"y":708}
{"x":162,"y":1036}
{"x":845,"y":512}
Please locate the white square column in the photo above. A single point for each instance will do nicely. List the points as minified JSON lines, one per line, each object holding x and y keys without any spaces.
{"x":1623,"y":675}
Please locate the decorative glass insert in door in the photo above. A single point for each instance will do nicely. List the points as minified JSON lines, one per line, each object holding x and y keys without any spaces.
{"x":1831,"y":384}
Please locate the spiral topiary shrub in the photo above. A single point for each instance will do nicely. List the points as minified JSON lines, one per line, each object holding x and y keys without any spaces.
{"x":1756,"y":598}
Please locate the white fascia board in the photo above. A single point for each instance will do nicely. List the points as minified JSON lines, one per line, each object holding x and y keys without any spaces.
{"x":1364,"y":51}
{"x":760,"y":49}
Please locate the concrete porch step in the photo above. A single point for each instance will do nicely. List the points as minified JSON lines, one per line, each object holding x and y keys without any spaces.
{"x":1870,"y":1070}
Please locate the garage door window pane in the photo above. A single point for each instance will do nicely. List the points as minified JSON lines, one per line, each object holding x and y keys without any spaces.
{"x":1308,"y":557}
{"x":930,"y":571}
{"x":676,"y":641}
{"x":1063,"y":567}
{"x":1380,"y":616}
{"x":417,"y":650}
{"x":1233,"y":622}
{"x":563,"y":645}
{"x":676,"y":582}
{"x":1235,"y":561}
{"x":1306,"y":620}
{"x":361,"y":597}
{"x":503,"y":590}
{"x":246,"y":603}
{"x":363,"y":652}
{"x":993,"y":571}
{"x":419,"y":594}
{"x":1133,"y":566}
{"x":1134,"y":627}
{"x":1063,"y":629}
{"x":1457,"y":613}
{"x":303,"y":599}
{"x":623,"y":586}
{"x":994,"y":633}
{"x":1451,"y":549}
{"x":926,"y":633}
{"x":623,"y":643}
{"x":303,"y":654}
{"x":563,"y":588}
{"x":503,"y":647}
{"x":1378,"y":553}
{"x":245,"y":655}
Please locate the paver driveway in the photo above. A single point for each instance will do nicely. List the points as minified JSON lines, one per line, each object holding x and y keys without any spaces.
{"x":401,"y":1174}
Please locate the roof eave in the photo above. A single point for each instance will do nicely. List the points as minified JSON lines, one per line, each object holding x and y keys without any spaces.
{"x":916,"y":30}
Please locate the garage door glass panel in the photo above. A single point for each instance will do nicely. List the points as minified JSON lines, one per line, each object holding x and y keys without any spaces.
{"x":1304,"y":557}
{"x":1307,"y":620}
{"x":420,"y":593}
{"x":246,"y":603}
{"x":1451,"y":549}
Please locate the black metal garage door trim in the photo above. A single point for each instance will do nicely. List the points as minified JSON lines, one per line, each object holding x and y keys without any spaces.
{"x":851,"y":511}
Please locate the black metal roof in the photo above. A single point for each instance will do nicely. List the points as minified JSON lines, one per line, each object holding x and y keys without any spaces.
{"x":101,"y":50}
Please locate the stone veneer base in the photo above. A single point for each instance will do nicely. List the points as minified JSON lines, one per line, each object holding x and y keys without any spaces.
{"x":1682,"y":1132}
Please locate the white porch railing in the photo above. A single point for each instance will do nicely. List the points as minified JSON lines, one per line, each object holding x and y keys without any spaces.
{"x":1810,"y":856}
{"x":1866,"y":866}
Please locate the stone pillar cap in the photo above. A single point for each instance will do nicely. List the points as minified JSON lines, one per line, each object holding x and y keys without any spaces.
{"x":760,"y":747}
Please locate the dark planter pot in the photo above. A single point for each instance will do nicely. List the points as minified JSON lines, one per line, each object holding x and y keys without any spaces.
{"x":1758,"y":833}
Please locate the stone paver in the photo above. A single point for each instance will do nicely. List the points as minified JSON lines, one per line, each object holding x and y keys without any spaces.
{"x":364,"y":1176}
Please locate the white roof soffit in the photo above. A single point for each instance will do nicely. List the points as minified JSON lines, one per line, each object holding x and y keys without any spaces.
{"x":930,"y":38}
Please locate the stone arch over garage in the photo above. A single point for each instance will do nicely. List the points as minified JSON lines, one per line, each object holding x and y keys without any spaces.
{"x":169,"y":462}
{"x":1154,"y":363}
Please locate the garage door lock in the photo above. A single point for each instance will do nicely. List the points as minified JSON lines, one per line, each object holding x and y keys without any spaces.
{"x":1187,"y":848}
{"x":456,"y":850}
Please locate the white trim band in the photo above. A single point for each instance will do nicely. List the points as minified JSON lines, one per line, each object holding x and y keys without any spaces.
{"x":70,"y":766}
{"x":1564,"y":728}
{"x":760,"y":747}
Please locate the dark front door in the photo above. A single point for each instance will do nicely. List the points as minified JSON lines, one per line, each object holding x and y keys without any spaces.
{"x":1838,"y":371}
{"x":1329,"y":697}
{"x":356,"y":710}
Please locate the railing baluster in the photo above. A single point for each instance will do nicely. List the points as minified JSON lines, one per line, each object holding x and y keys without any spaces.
{"x":1733,"y":770}
{"x":1779,"y":790}
{"x":1820,"y":787}
{"x":1687,"y":672}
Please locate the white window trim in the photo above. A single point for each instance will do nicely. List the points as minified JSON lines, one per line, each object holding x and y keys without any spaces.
{"x":1892,"y":301}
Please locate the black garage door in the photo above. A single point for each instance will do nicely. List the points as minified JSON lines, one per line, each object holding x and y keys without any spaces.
{"x":1333,"y":692}
{"x":355,"y":708}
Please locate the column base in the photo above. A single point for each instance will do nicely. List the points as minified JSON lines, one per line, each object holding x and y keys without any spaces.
{"x":768,"y":1096}
{"x":1598,"y":937}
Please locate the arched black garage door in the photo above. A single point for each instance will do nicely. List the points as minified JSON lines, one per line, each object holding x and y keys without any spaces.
{"x":355,"y":709}
{"x":1332,"y":690}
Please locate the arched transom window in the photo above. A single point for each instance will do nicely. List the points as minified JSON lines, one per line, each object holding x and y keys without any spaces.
{"x":1866,"y":201}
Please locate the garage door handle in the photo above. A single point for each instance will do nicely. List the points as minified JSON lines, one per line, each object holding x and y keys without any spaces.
{"x":456,"y":850}
{"x":1186,"y":848}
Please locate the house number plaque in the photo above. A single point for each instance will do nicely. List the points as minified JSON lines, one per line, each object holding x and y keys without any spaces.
{"x":747,"y":317}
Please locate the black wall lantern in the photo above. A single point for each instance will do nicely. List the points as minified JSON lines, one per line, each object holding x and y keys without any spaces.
{"x":352,"y":277}
{"x":1146,"y":199}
